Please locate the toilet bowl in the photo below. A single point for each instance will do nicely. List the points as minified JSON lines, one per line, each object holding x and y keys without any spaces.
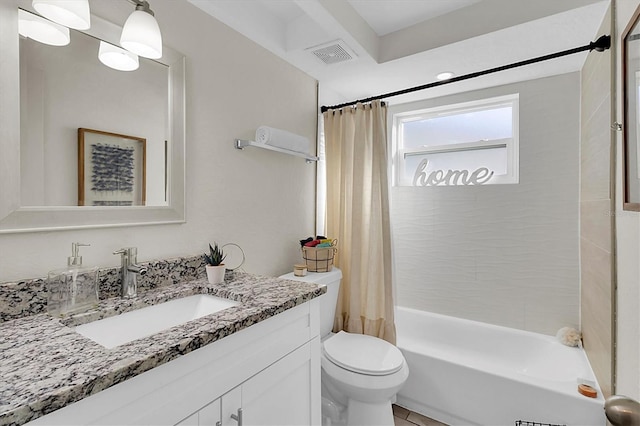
{"x":360,"y":374}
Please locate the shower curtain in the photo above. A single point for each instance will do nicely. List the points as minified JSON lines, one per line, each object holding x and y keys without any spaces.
{"x":357,"y":214}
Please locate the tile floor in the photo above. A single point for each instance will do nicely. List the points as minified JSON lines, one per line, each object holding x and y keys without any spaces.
{"x":404,"y":417}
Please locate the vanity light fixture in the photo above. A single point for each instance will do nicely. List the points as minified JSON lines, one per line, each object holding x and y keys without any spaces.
{"x":70,"y":13}
{"x":42,"y":30}
{"x":117,"y":58}
{"x":445,"y":75}
{"x":141,"y":33}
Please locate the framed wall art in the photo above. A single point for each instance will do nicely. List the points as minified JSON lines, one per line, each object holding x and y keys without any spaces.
{"x":111,"y":169}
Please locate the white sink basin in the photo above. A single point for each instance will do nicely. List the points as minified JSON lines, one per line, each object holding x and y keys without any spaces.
{"x":117,"y":330}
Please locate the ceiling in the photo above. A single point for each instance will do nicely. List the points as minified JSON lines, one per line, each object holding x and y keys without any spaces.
{"x":396,"y":44}
{"x":385,"y":17}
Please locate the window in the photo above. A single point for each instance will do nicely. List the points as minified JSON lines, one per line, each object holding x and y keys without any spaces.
{"x":473,"y":143}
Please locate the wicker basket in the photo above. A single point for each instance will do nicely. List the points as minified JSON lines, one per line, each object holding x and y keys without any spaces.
{"x":319,"y":259}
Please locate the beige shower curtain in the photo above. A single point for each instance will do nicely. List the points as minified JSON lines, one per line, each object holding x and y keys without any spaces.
{"x":358,"y":215}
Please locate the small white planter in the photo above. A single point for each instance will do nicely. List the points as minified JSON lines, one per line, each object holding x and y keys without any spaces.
{"x":215,"y":274}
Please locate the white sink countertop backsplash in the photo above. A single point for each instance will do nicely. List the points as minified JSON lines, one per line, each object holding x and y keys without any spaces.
{"x":46,"y":365}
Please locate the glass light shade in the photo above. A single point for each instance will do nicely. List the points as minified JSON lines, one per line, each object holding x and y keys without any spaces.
{"x":141,"y":35}
{"x":70,"y":13}
{"x":117,"y":58}
{"x":39,"y":29}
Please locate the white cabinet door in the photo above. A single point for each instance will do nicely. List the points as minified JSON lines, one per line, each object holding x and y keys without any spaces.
{"x":282,"y":394}
{"x":210,"y":415}
{"x":231,"y":402}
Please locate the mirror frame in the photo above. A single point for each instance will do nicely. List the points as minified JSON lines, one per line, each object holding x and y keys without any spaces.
{"x":629,"y":122}
{"x":13,"y":217}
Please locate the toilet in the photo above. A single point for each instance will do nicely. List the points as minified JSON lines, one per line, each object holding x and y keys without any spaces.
{"x":360,"y":374}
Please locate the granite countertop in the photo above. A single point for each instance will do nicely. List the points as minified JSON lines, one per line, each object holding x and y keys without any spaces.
{"x":46,"y":365}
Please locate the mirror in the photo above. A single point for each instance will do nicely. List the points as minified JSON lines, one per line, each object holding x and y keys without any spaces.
{"x":55,"y":102}
{"x":39,"y":178}
{"x":631,"y":132}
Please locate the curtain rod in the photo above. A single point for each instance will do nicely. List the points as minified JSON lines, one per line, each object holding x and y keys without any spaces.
{"x":600,"y":45}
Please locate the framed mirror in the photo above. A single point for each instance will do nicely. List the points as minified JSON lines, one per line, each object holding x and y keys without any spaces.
{"x":631,"y":127}
{"x":39,"y":176}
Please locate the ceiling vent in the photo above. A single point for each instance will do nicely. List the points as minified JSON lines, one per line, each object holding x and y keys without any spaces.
{"x":333,"y":52}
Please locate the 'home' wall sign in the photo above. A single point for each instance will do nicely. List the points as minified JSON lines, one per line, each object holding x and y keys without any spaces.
{"x":451,"y":177}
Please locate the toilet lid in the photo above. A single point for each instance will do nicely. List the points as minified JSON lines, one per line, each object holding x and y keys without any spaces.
{"x":363,"y":354}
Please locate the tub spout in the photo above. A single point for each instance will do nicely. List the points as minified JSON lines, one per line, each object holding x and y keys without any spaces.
{"x":622,"y":410}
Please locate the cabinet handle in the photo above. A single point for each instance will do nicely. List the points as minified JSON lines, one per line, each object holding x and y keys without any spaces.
{"x":238,"y":417}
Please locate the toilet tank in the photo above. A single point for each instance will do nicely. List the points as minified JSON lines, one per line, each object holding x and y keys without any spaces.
{"x":329,"y":300}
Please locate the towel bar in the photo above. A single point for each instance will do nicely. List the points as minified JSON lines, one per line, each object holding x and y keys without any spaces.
{"x":242,"y":144}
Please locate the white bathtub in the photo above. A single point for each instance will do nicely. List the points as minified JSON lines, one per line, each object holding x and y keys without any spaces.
{"x":469,"y":373}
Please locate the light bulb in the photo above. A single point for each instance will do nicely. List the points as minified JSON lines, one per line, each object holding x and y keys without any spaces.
{"x":445,"y":75}
{"x":70,"y":13}
{"x":141,"y":35}
{"x":117,"y":58}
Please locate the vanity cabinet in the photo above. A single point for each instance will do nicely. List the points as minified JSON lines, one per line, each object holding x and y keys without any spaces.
{"x":270,"y":370}
{"x":279,"y":395}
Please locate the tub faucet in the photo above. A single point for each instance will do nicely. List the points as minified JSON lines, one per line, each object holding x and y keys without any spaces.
{"x":130,"y":271}
{"x":622,"y":410}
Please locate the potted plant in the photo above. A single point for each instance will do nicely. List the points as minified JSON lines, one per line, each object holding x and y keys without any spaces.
{"x":215,"y":267}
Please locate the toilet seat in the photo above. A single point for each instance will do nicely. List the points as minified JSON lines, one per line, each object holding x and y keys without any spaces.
{"x":363,"y":354}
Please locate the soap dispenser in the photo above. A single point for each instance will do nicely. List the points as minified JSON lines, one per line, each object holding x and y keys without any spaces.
{"x":72,"y":289}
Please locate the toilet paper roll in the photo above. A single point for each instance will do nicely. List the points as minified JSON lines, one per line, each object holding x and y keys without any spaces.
{"x":282,"y":139}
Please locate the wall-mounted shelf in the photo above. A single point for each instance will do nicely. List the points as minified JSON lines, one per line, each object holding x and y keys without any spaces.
{"x":242,"y":144}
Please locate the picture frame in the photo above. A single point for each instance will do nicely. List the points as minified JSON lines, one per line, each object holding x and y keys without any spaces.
{"x":111,"y":169}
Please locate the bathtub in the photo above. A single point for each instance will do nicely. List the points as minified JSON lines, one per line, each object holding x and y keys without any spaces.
{"x":469,"y":373}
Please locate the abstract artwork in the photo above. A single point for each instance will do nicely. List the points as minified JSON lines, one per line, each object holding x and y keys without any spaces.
{"x":111,"y":169}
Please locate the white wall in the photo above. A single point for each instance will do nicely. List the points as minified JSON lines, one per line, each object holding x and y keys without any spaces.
{"x":502,"y":254}
{"x":261,"y":200}
{"x":628,"y":246}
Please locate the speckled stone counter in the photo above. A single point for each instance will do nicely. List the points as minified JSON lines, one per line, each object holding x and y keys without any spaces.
{"x":46,"y":365}
{"x":29,"y":296}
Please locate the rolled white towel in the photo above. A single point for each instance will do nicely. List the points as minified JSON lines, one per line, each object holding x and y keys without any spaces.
{"x":263,"y":134}
{"x":282,"y":139}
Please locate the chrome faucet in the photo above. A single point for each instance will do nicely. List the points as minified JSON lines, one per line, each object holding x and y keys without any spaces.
{"x":130,"y":271}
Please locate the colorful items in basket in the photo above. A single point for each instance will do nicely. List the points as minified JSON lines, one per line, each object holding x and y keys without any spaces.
{"x":318,"y":253}
{"x":318,"y":242}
